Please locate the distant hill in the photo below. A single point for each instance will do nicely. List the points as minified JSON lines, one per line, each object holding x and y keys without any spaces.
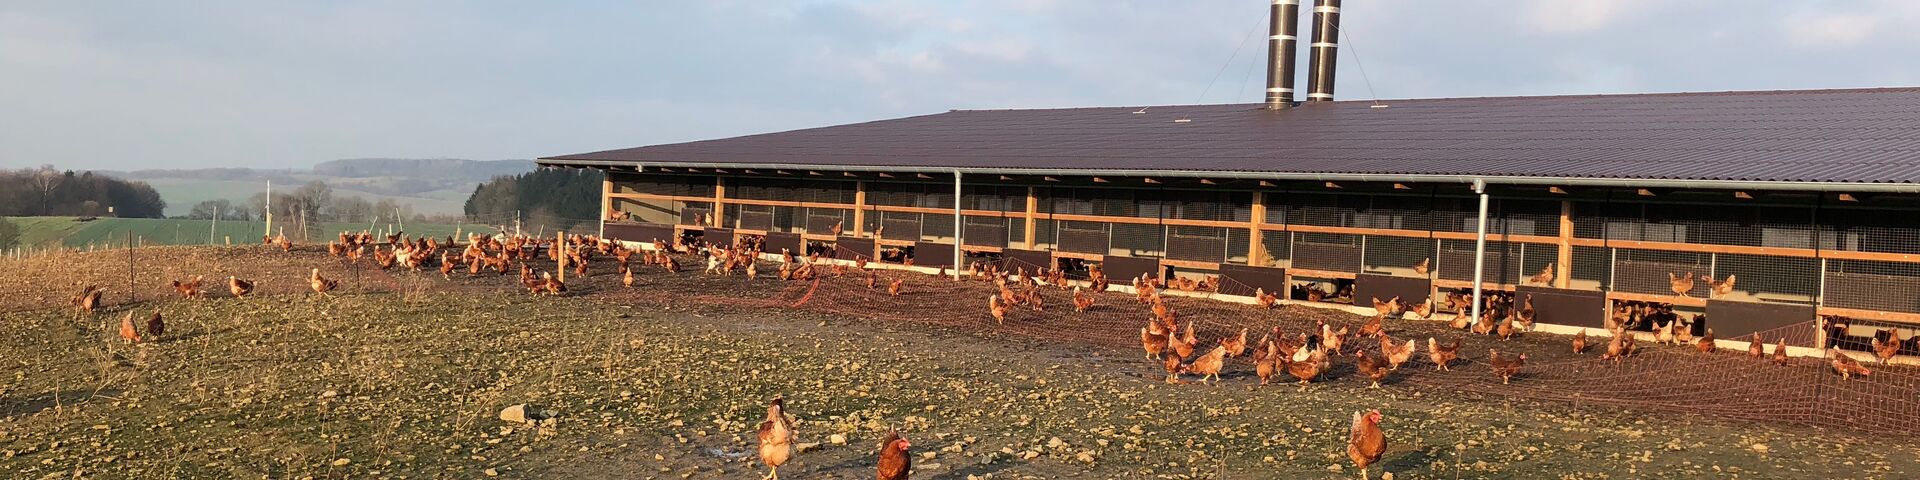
{"x":432,"y":186}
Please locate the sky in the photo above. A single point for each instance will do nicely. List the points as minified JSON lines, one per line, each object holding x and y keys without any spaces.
{"x":126,"y":84}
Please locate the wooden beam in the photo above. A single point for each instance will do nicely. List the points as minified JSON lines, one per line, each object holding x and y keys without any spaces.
{"x":1563,"y":262}
{"x":719,"y":201}
{"x":1871,"y":314}
{"x":606,"y":201}
{"x":1557,"y":190}
{"x":1673,"y":299}
{"x":1256,"y":247}
{"x":859,"y":208}
{"x":1033,"y":211}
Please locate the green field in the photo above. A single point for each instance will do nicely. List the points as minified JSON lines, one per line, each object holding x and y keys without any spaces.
{"x":45,"y":232}
{"x":182,"y":193}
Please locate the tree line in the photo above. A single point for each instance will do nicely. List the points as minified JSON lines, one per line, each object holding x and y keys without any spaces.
{"x":46,"y":191}
{"x":312,"y":202}
{"x":546,"y":198}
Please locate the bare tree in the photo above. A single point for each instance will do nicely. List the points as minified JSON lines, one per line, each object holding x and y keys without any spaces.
{"x":45,"y":179}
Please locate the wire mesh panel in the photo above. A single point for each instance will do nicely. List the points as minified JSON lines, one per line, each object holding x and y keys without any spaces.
{"x":1592,"y":268}
{"x":1138,"y":240}
{"x":1531,"y":262}
{"x":695,"y":213}
{"x":1456,"y":260}
{"x":1766,"y":278}
{"x":985,"y":231}
{"x":1084,"y":237}
{"x":821,"y":221}
{"x":647,"y":210}
{"x":755,"y":217}
{"x":1337,"y":252}
{"x":1279,"y":247}
{"x":900,"y":226}
{"x":936,"y":228}
{"x":1239,"y":245}
{"x":786,"y":219}
{"x":676,"y":185}
{"x":1398,"y":256}
{"x":1872,"y":285}
{"x":1017,"y":232}
{"x":1647,"y":271}
{"x":1197,"y":244}
{"x":1045,"y":235}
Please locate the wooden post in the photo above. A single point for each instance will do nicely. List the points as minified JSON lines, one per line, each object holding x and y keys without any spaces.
{"x":606,"y":203}
{"x":1033,"y":210}
{"x":1564,"y":262}
{"x":560,"y":243}
{"x":1256,"y":247}
{"x":719,"y":202}
{"x":859,"y":208}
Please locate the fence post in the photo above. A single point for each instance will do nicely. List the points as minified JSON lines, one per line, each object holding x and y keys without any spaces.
{"x":560,"y":243}
{"x":959,"y":233}
{"x":1479,"y":247}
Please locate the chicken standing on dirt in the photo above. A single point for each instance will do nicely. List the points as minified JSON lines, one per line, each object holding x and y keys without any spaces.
{"x":1183,"y":345}
{"x":1580,"y":342}
{"x":1365,"y":442}
{"x":894,"y":288}
{"x":156,"y":326}
{"x":89,"y":299}
{"x":1306,"y":365}
{"x":1395,"y":353}
{"x":895,"y":462}
{"x":189,"y":289}
{"x":1375,"y":369}
{"x":1884,"y":350}
{"x":1208,"y":366}
{"x":126,"y":329}
{"x":239,"y":288}
{"x":1705,"y":343}
{"x":776,"y":438}
{"x":1780,"y":352}
{"x":321,"y":285}
{"x":1236,"y":346}
{"x":1505,"y":368}
{"x":1845,"y":365}
{"x":999,"y":311}
{"x":1442,"y":355}
{"x":1153,"y":339}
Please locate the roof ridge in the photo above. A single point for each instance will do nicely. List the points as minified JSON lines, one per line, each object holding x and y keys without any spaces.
{"x":1709,"y":93}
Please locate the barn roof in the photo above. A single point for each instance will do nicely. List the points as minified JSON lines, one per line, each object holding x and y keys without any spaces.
{"x":1823,"y":137}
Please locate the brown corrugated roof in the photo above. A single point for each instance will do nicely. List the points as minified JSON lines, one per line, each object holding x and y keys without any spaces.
{"x":1850,"y":136}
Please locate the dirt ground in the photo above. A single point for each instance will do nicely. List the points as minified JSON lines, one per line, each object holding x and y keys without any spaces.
{"x":404,"y":374}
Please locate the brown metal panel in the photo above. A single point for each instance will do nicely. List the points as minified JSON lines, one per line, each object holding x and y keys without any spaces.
{"x":717,"y":236}
{"x":1120,"y":268}
{"x":1242,"y":280}
{"x":640,"y":232}
{"x":1735,"y":319}
{"x":929,"y":254}
{"x":1573,"y":308}
{"x":1411,"y":290}
{"x":778,"y":242}
{"x":850,"y":248}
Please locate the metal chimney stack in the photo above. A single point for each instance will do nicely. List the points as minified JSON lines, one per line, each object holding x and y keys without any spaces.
{"x":1282,"y":32}
{"x":1326,"y":40}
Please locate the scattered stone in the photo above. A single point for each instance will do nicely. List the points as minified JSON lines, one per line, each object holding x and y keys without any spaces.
{"x":514,"y":414}
{"x":341,"y":462}
{"x":837,"y":439}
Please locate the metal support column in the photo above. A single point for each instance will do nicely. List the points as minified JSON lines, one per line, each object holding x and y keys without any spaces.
{"x":959,"y":234}
{"x":1479,"y":247}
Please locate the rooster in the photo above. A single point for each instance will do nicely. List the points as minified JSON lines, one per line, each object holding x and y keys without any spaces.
{"x":239,"y":288}
{"x":1442,"y":355}
{"x":189,"y":289}
{"x":1845,"y":365}
{"x":895,"y":463}
{"x":1365,"y":442}
{"x":776,"y":438}
{"x":1504,"y":368}
{"x":321,"y":285}
{"x":1208,"y":365}
{"x":1580,"y":342}
{"x":1681,"y":285}
{"x":1375,"y":369}
{"x":127,"y":331}
{"x":1396,"y":353}
{"x":893,"y":288}
{"x":1885,"y":349}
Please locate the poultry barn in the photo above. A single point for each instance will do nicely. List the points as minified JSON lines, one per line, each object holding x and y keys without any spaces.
{"x":1752,"y":212}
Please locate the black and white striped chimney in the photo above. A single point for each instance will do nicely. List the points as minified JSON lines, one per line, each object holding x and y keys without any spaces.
{"x":1326,"y":40}
{"x":1282,"y":31}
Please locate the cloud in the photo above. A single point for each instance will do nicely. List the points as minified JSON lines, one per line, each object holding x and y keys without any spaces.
{"x":1578,"y":16}
{"x":1832,"y":30}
